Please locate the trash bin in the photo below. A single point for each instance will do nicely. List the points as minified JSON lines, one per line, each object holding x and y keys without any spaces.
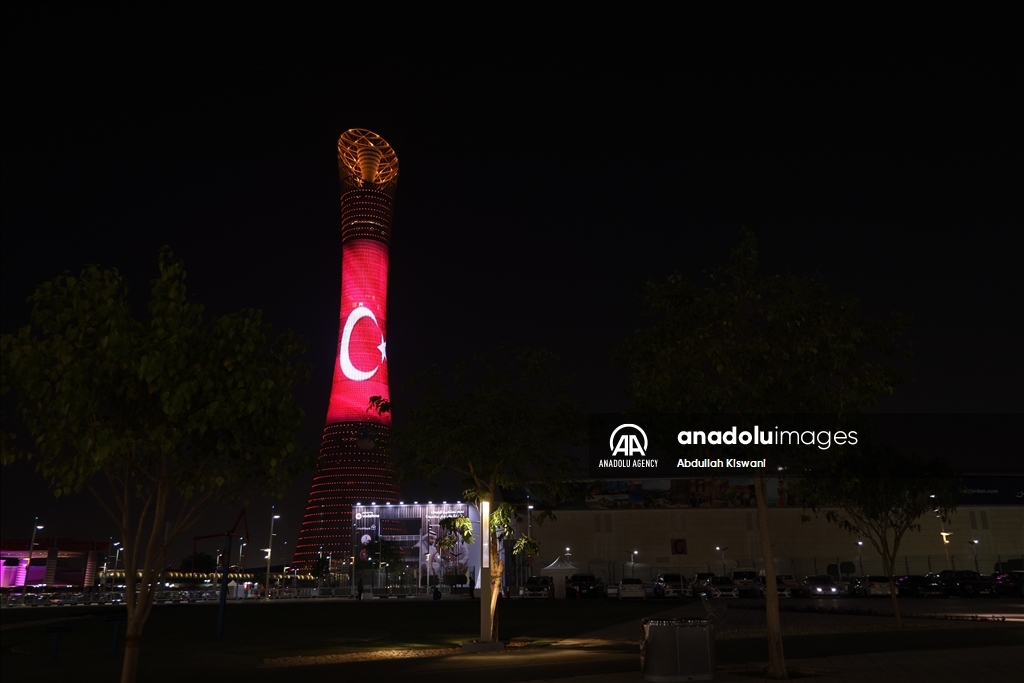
{"x":674,"y":650}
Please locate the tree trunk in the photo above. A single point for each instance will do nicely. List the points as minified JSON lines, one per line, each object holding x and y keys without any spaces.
{"x":130,"y":665}
{"x":890,"y":566}
{"x":152,"y":566}
{"x":776,"y":656}
{"x":497,"y":568}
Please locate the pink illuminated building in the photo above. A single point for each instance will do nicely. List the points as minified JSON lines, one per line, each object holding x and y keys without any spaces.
{"x":354,"y":464}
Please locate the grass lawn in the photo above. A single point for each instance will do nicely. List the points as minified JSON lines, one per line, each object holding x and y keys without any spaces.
{"x":179,"y":642}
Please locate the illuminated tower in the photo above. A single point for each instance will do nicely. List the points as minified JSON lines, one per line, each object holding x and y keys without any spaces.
{"x":354,"y":464}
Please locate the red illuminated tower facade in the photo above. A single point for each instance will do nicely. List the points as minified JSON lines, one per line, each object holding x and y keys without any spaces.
{"x":354,"y":464}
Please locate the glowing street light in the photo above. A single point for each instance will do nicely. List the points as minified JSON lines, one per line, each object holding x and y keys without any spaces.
{"x":270,"y":543}
{"x":36,"y":526}
{"x":722,"y":550}
{"x":632,"y":562}
{"x":860,"y":556}
{"x":945,"y":545}
{"x":975,"y":544}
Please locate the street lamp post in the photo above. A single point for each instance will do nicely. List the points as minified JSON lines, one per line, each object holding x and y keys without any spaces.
{"x":529,"y":530}
{"x":632,"y":563}
{"x":975,"y":544}
{"x":270,"y":546}
{"x":428,"y":572}
{"x":36,"y":526}
{"x":117,"y":558}
{"x":860,"y":556}
{"x":945,"y":545}
{"x":722,"y":550}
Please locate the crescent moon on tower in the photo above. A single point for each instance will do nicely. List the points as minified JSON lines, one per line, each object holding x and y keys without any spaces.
{"x":349,"y":370}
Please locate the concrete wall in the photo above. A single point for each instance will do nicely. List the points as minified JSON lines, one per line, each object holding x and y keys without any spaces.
{"x":603,"y":541}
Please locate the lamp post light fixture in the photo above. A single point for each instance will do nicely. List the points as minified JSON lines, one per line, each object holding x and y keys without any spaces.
{"x":36,"y":526}
{"x":975,"y":544}
{"x":632,"y":563}
{"x":529,"y":529}
{"x":270,"y":545}
{"x":945,"y":546}
{"x":860,"y":556}
{"x":117,"y":557}
{"x":722,"y":550}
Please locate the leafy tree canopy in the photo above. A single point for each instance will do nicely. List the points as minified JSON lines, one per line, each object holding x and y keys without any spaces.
{"x":880,"y":494}
{"x":746,"y":344}
{"x":503,"y":420}
{"x":749,"y":346}
{"x":157,"y":416}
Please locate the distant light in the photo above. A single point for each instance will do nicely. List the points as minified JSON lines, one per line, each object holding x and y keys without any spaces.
{"x":277,"y":516}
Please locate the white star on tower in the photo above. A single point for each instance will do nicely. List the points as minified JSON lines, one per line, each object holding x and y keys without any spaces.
{"x":383,"y":349}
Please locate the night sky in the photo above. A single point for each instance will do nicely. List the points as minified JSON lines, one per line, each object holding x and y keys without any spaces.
{"x":550,"y":166}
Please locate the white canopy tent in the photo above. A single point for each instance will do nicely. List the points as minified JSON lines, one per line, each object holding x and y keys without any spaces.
{"x":559,"y":570}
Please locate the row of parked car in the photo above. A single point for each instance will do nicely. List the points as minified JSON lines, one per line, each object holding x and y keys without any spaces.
{"x":112,"y":598}
{"x":750,"y":583}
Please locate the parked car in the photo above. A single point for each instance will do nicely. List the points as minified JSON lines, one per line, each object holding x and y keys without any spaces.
{"x":632,"y":588}
{"x":965,"y":583}
{"x":819,"y":586}
{"x":782,"y":589}
{"x":790,"y":582}
{"x":672,"y":586}
{"x":872,"y":586}
{"x":584,"y":585}
{"x":1009,"y":583}
{"x":919,"y":586}
{"x":723,"y":587}
{"x":538,"y":587}
{"x":746,"y":581}
{"x":701,"y":581}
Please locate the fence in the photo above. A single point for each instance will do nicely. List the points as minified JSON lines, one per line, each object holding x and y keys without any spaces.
{"x":611,"y":571}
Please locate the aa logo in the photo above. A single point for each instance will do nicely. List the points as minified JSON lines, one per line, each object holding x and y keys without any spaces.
{"x":628,"y":442}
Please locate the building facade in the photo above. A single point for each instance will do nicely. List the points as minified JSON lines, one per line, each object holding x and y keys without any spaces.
{"x":644,"y":543}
